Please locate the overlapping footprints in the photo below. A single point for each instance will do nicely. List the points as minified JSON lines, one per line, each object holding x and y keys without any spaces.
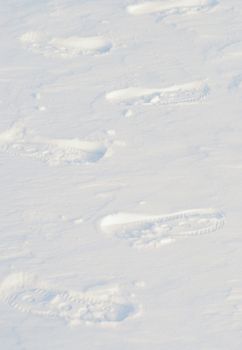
{"x":65,"y":47}
{"x":143,"y":231}
{"x":20,"y":141}
{"x":176,"y":94}
{"x":167,"y":7}
{"x":103,"y":305}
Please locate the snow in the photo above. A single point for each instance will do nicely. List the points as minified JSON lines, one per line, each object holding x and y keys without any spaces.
{"x":145,"y":231}
{"x":52,"y":151}
{"x":150,"y":7}
{"x":121,"y":160}
{"x":64,"y":47}
{"x":190,"y":92}
{"x":104,"y":306}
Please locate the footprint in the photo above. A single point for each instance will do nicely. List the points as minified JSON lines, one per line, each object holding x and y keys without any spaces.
{"x":52,"y":151}
{"x":167,"y":7}
{"x":143,"y":231}
{"x":176,"y":94}
{"x":65,"y":47}
{"x":103,"y":305}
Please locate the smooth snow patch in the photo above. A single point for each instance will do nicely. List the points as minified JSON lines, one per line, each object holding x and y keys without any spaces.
{"x":233,"y":50}
{"x":65,"y":47}
{"x":176,"y":94}
{"x":101,"y":305}
{"x":170,"y":6}
{"x":153,"y":231}
{"x":52,"y":151}
{"x":230,"y":306}
{"x":13,"y":252}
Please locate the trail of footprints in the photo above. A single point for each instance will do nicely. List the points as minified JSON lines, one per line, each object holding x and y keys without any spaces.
{"x":72,"y":46}
{"x":107,"y":305}
{"x":110,"y":304}
{"x":102,"y":305}
{"x":143,"y":231}
{"x":19,"y":141}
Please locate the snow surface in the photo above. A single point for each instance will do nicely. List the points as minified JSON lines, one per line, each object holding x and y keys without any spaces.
{"x":121,"y":167}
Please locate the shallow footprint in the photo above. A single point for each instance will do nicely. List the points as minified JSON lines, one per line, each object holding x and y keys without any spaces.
{"x":176,"y":94}
{"x":143,"y":231}
{"x":103,"y":305}
{"x":167,"y":7}
{"x":65,"y":47}
{"x":52,"y":151}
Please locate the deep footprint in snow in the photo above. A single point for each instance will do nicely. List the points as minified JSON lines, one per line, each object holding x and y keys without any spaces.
{"x":103,"y":305}
{"x":65,"y":47}
{"x":176,"y":94}
{"x":143,"y":231}
{"x":167,"y":7}
{"x":18,"y":141}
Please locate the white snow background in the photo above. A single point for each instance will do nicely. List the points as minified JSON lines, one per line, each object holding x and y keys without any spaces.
{"x":120,"y":175}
